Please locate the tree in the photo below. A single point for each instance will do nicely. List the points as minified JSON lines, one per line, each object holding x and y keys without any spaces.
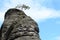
{"x":22,"y":7}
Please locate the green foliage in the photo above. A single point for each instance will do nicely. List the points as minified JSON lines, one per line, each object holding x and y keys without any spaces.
{"x":22,"y":7}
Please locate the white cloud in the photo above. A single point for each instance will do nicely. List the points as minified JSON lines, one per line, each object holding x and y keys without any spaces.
{"x":43,"y":13}
{"x":37,"y":11}
{"x":1,"y":16}
{"x":56,"y":38}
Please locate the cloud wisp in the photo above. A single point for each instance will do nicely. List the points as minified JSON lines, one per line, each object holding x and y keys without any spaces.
{"x":56,"y":38}
{"x":1,"y":16}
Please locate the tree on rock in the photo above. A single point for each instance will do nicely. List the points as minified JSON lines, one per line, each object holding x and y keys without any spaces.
{"x":22,"y":7}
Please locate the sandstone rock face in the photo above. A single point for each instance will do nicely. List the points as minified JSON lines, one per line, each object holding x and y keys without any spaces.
{"x":18,"y":26}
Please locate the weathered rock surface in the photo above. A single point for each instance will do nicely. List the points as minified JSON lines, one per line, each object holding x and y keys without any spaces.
{"x":18,"y":26}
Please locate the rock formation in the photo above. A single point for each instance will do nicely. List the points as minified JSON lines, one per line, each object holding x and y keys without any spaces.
{"x":18,"y":26}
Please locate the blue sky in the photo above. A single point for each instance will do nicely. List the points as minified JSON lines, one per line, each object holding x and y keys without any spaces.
{"x":45,"y":12}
